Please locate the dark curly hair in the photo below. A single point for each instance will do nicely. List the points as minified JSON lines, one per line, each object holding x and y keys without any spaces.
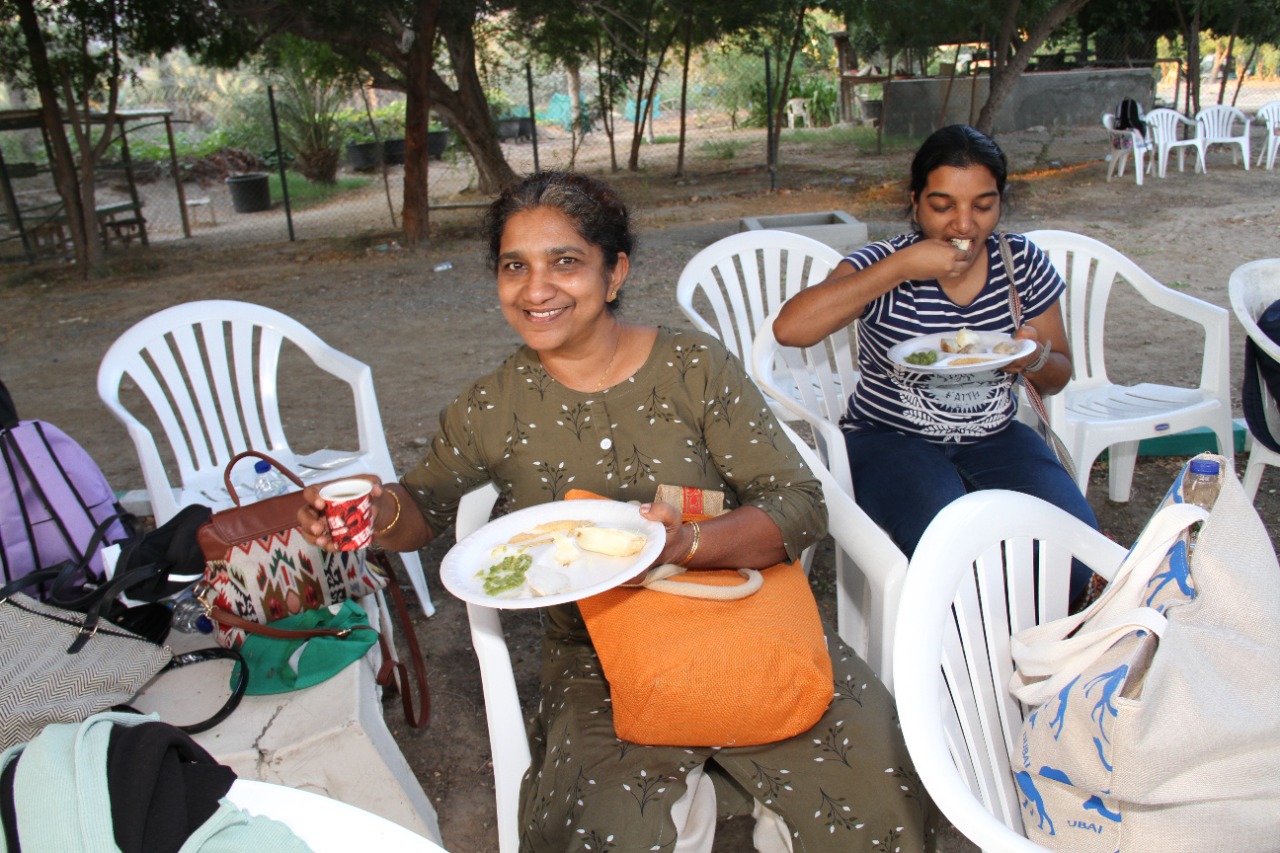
{"x":596,"y":210}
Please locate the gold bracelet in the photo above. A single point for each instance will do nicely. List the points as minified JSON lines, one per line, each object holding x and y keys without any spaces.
{"x":396,"y":498}
{"x":693,"y":549}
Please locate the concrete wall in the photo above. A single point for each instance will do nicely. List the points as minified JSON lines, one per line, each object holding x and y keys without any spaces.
{"x":1048,"y":98}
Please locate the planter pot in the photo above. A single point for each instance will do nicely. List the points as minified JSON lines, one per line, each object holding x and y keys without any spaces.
{"x":250,"y":193}
{"x":363,"y":156}
{"x":393,"y":152}
{"x":872,"y":110}
{"x":836,"y":228}
{"x":437,"y":142}
{"x":515,"y":128}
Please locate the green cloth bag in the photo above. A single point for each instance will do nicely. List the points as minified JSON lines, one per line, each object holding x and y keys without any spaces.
{"x":278,"y":666}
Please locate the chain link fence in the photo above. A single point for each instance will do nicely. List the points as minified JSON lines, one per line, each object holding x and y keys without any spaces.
{"x":721,"y":130}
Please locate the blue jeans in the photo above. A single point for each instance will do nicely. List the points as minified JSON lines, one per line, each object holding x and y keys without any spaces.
{"x":903,"y":481}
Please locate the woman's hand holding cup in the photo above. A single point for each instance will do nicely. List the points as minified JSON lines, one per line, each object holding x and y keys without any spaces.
{"x":338,"y":515}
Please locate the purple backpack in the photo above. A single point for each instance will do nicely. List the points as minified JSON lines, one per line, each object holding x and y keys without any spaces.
{"x":53,"y":497}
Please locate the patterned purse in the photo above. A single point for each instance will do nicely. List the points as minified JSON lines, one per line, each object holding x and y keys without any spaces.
{"x":260,"y":569}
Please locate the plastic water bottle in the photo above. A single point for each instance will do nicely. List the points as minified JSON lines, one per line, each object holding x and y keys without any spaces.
{"x":189,"y":615}
{"x":443,"y":267}
{"x":1200,"y":487}
{"x":268,"y":483}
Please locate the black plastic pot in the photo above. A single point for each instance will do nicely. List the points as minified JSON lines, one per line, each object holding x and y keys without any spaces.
{"x":437,"y":143}
{"x":393,"y":152}
{"x":363,"y":156}
{"x":250,"y":192}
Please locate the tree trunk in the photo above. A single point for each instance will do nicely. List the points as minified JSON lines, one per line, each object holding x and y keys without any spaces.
{"x":684,"y":90}
{"x":468,"y":110}
{"x":785,"y":84}
{"x":1005,"y":72}
{"x":64,"y":165}
{"x":416,"y":211}
{"x":573,"y":82}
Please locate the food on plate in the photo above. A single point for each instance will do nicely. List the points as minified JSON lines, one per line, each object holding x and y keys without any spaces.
{"x":566,"y":549}
{"x":968,"y":359}
{"x":922,"y":357}
{"x":544,"y":530}
{"x":543,"y":581}
{"x":610,"y":541}
{"x":506,"y":575}
{"x":962,"y":245}
{"x":965,"y":341}
{"x":1007,"y":347}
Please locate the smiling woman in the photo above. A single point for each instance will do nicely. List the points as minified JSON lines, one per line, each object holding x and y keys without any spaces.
{"x":597,"y":404}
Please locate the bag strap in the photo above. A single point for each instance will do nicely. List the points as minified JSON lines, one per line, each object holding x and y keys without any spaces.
{"x":237,"y":689}
{"x":391,"y":665}
{"x":656,"y":579}
{"x":226,"y":474}
{"x":1028,"y":387}
{"x":1062,"y":661}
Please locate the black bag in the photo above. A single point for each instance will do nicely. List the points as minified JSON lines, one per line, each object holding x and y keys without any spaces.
{"x":1258,"y":368}
{"x":173,"y":547}
{"x":1129,"y":116}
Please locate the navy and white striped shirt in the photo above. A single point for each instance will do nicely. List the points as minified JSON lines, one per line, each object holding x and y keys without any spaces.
{"x":940,"y":408}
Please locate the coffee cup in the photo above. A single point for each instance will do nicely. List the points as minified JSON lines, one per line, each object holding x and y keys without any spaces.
{"x":348,"y":509}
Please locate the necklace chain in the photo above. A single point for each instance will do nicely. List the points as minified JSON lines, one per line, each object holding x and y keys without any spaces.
{"x":608,"y":367}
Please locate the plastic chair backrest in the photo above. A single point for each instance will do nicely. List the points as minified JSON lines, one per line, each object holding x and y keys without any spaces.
{"x":1165,"y":125}
{"x":728,"y":288}
{"x":1219,"y":122}
{"x":209,"y":372}
{"x":1091,"y":269}
{"x":1252,"y":288}
{"x":990,"y":564}
{"x":1269,"y":114}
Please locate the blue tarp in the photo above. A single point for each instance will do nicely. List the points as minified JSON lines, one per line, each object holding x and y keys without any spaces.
{"x":629,"y":113}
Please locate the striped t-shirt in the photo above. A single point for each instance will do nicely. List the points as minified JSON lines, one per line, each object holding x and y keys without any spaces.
{"x":942,"y":408}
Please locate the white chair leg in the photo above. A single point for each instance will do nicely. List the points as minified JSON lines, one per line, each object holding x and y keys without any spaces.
{"x":1253,"y":474}
{"x":1123,"y":456}
{"x":695,"y":814}
{"x":771,"y":834}
{"x":413,"y":567}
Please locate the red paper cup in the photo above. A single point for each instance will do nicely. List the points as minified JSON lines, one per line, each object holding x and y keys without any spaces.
{"x":349,"y":511}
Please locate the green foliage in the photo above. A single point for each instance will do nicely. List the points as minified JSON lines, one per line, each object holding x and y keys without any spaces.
{"x":720,"y":149}
{"x":388,"y":121}
{"x":304,"y":194}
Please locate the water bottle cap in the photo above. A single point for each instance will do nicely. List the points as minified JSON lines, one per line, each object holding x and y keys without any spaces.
{"x":262,"y":466}
{"x":1204,"y":466}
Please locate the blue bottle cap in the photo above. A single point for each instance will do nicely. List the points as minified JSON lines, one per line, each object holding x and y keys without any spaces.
{"x":1204,"y":466}
{"x":262,"y":466}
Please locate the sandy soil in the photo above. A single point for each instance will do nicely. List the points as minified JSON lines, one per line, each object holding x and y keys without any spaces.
{"x":426,"y":333}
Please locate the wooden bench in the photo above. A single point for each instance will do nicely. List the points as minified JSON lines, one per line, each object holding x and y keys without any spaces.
{"x":123,"y":220}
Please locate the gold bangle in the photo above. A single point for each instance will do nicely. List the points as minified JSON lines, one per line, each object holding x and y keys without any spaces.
{"x":693,"y":549}
{"x":396,"y":498}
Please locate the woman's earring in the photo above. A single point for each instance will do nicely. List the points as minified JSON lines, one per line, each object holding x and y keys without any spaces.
{"x":613,"y":294}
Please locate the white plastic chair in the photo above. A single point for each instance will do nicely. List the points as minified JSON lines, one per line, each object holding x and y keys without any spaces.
{"x":1252,"y":288}
{"x":1269,"y":114}
{"x":324,"y":824}
{"x":1170,"y":130}
{"x":798,"y":109}
{"x":210,"y":372}
{"x":990,"y":564}
{"x":1121,"y":144}
{"x":1217,"y":125}
{"x":855,"y":533}
{"x":729,"y":287}
{"x":1093,"y":413}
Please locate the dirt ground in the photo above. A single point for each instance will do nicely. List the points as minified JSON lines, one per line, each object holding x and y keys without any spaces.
{"x":426,"y":333}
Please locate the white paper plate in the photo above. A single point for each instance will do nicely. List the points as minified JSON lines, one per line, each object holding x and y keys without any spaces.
{"x":946,"y":362}
{"x":587,"y":575}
